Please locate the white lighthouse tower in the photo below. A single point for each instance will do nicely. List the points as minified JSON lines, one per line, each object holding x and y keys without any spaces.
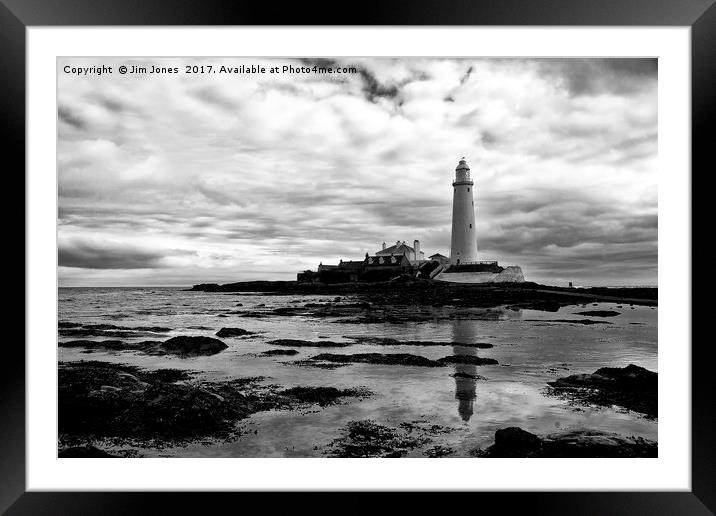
{"x":463,"y":242}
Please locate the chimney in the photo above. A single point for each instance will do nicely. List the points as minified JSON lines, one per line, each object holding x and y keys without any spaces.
{"x":416,"y":246}
{"x":383,"y":246}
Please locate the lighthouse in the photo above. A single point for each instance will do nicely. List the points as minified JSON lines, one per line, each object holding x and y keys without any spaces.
{"x":463,"y":242}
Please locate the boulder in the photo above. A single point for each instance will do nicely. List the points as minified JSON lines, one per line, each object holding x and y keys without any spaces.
{"x":193,"y":345}
{"x":515,"y":442}
{"x":467,"y":359}
{"x":232,"y":332}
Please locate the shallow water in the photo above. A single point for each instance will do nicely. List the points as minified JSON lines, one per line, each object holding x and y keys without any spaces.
{"x":530,"y":353}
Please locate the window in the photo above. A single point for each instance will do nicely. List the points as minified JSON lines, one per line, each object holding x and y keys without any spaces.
{"x":470,"y":225}
{"x":468,"y":189}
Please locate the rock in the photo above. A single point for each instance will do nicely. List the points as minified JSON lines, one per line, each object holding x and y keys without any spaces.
{"x":83,"y":452}
{"x":430,"y":292}
{"x":516,"y":442}
{"x":142,"y":404}
{"x":586,"y":443}
{"x":367,"y":438}
{"x":467,"y":359}
{"x":378,"y":358}
{"x":402,"y":359}
{"x":321,"y":395}
{"x":308,"y":343}
{"x":599,"y":313}
{"x":631,"y":387}
{"x":93,"y":344}
{"x":233,"y":332}
{"x":149,"y":408}
{"x":544,"y":306}
{"x":319,"y":365}
{"x":193,"y":345}
{"x":586,"y":322}
{"x":439,"y":451}
{"x":108,"y":330}
{"x":153,"y":329}
{"x":67,"y":324}
{"x":280,"y":352}
{"x":384,"y":341}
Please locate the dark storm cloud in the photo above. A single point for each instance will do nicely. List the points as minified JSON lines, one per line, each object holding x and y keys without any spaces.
{"x":69,"y":117}
{"x":220,"y":196}
{"x":107,"y":255}
{"x":466,"y":75}
{"x":373,"y":89}
{"x":529,"y":238}
{"x":594,"y":76}
{"x":488,"y":138}
{"x":640,"y":67}
{"x":109,"y":103}
{"x":213,"y":97}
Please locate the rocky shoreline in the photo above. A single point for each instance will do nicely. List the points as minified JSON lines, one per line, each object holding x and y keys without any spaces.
{"x":105,"y":405}
{"x":631,"y":387}
{"x":109,"y":409}
{"x":406,"y":290}
{"x":516,"y":442}
{"x":102,"y":403}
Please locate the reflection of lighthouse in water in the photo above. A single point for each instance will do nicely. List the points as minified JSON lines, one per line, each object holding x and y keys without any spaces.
{"x":465,"y":381}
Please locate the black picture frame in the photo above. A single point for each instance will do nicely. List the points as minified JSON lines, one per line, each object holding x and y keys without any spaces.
{"x":699,"y":15}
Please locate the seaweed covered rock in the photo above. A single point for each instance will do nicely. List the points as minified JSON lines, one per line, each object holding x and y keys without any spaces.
{"x":467,"y":359}
{"x":599,"y":313}
{"x":193,"y":345}
{"x":516,"y":442}
{"x":233,"y":332}
{"x":296,"y":343}
{"x":84,"y":452}
{"x":386,"y":341}
{"x":632,"y":387}
{"x":280,"y":352}
{"x":102,"y":401}
{"x":378,"y":358}
{"x":369,"y":439}
{"x":321,"y":395}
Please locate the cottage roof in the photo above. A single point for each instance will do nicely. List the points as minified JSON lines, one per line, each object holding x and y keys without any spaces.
{"x":387,"y":261}
{"x":396,"y":249}
{"x":351,"y":264}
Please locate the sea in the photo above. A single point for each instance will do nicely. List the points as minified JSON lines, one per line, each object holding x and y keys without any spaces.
{"x":532,"y":348}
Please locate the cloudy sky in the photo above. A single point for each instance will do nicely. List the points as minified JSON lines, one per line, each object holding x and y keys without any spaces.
{"x":181,"y":178}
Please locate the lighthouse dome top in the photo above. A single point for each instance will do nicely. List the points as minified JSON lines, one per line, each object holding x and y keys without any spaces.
{"x":462,"y":174}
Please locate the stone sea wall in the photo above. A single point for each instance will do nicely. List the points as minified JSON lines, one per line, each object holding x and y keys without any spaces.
{"x":511,"y":274}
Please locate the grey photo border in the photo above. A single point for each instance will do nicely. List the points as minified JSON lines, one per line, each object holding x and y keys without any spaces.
{"x":699,"y":15}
